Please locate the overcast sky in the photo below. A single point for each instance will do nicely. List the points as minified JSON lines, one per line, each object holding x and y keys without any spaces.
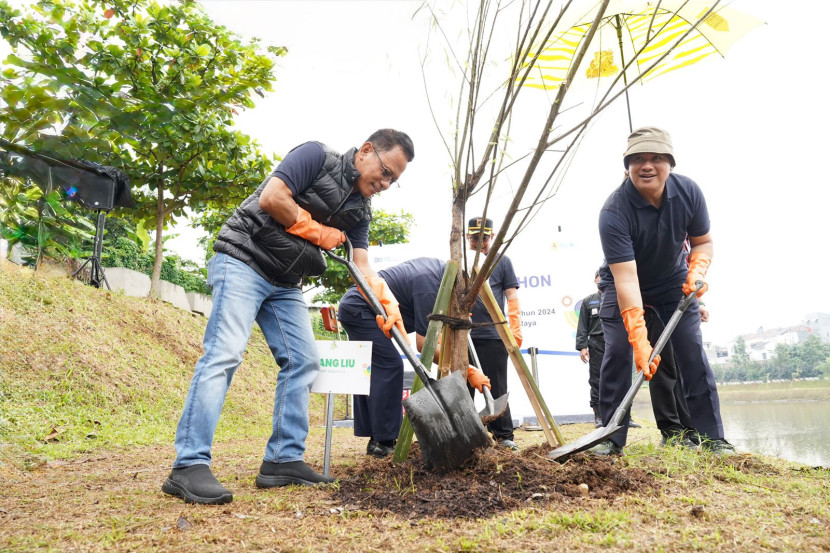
{"x":750,"y":128}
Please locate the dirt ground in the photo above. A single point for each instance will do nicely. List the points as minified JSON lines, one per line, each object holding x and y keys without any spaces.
{"x":112,"y":500}
{"x":498,"y":501}
{"x":493,"y":481}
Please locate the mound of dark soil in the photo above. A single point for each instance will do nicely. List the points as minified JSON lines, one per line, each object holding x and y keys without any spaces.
{"x":493,"y":481}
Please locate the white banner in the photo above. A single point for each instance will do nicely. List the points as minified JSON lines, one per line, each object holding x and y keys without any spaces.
{"x":344,"y":367}
{"x":553,"y":276}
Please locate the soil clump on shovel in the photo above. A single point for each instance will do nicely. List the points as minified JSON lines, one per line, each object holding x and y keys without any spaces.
{"x":494,"y":480}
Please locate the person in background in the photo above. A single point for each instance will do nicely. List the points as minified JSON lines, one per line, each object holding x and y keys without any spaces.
{"x":486,"y":340}
{"x":590,"y":344}
{"x":643,"y":225}
{"x":263,"y":251}
{"x":415,"y":284}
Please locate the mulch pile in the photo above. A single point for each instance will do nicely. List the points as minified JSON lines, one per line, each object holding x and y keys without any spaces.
{"x":493,"y":481}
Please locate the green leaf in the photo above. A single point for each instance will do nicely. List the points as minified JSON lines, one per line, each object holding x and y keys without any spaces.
{"x":203,"y":50}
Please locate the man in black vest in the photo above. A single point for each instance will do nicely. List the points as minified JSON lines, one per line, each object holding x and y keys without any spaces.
{"x":263,"y":251}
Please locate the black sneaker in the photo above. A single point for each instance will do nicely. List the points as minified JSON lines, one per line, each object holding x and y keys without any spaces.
{"x":272,"y":475}
{"x":382,"y":449}
{"x":606,"y":448}
{"x":370,"y":448}
{"x":694,"y":436}
{"x":508,"y":444}
{"x":680,"y":439}
{"x":196,"y":484}
{"x":719,"y":447}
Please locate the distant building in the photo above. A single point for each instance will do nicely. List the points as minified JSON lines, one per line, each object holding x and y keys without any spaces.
{"x":761,"y":345}
{"x":819,"y":324}
{"x":715,"y":353}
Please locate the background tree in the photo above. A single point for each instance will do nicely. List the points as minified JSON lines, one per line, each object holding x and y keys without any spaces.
{"x":150,"y":88}
{"x":386,"y":228}
{"x":801,"y":360}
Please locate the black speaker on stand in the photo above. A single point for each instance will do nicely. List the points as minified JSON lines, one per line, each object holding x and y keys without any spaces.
{"x":96,"y":272}
{"x":94,"y":186}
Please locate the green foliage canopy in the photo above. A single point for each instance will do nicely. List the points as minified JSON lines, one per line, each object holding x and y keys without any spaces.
{"x":149,"y":87}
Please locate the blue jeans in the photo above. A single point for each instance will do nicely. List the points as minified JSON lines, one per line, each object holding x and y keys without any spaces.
{"x":241,"y":296}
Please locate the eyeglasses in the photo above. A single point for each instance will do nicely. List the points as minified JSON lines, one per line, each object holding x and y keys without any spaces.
{"x":388,"y":175}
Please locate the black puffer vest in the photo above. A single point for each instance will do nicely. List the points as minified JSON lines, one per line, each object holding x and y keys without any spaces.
{"x":258,"y":240}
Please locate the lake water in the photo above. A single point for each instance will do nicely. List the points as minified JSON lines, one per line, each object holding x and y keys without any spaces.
{"x":793,"y":430}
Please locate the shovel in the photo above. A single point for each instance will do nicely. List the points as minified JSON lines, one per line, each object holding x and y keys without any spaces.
{"x":493,"y":409}
{"x":442,"y":414}
{"x":616,"y":423}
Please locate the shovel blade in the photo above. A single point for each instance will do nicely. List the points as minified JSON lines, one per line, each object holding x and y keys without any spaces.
{"x":493,"y":409}
{"x":585,"y":442}
{"x":444,"y":419}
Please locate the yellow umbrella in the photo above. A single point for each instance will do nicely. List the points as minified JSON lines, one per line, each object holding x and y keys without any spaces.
{"x":688,"y":30}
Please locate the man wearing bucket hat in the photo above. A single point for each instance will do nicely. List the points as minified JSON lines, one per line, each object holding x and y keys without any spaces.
{"x":643,"y":226}
{"x":489,"y":347}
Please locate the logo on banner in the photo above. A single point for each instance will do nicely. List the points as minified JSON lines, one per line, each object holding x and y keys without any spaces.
{"x":571,"y":315}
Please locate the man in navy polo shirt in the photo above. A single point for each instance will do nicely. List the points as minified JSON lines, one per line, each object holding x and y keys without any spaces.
{"x":643,"y":226}
{"x":314,"y":198}
{"x":415,"y":284}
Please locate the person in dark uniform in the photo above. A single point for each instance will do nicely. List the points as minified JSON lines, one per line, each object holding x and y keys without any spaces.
{"x":590,"y":343}
{"x":486,"y":340}
{"x":415,"y":284}
{"x":642,"y":227}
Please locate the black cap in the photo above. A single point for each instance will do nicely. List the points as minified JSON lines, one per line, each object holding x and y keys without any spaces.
{"x":474,"y":226}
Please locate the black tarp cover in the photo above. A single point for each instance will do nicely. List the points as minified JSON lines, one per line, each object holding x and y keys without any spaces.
{"x":92,"y":185}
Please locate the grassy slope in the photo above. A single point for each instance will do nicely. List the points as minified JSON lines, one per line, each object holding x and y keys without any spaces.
{"x":93,"y":384}
{"x":84,"y":369}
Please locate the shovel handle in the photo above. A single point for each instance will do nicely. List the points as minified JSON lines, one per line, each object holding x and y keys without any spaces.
{"x":685,"y":302}
{"x":363,"y":285}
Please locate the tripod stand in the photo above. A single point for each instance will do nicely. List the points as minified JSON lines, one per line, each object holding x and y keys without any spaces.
{"x":96,"y":273}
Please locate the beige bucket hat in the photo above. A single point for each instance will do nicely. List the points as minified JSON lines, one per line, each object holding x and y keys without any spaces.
{"x":649,"y":140}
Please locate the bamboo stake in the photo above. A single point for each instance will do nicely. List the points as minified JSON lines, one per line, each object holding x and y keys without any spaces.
{"x":442,"y":302}
{"x":543,"y":415}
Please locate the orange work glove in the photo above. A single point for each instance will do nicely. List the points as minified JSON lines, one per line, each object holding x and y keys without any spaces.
{"x":390,"y":304}
{"x":513,"y":312}
{"x":635,"y":324}
{"x":316,"y":233}
{"x":698,"y":265}
{"x":477,"y":379}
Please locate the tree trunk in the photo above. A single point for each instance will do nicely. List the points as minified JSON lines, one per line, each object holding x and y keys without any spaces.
{"x":457,"y":338}
{"x":154,"y":282}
